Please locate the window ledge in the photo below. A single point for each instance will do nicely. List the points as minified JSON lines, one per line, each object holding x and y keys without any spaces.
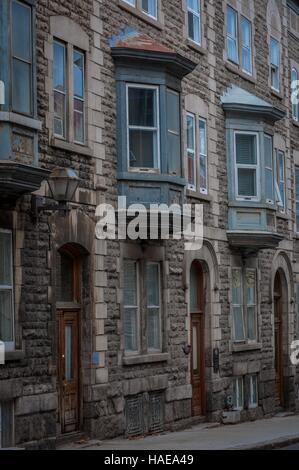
{"x":70,"y":147}
{"x":295,"y":123}
{"x":199,"y":196}
{"x":277,"y":94}
{"x":281,"y":215}
{"x":11,"y":356}
{"x":246,"y":347}
{"x":235,"y":69}
{"x":196,"y":47}
{"x":146,"y":359}
{"x":139,"y":14}
{"x":21,"y":120}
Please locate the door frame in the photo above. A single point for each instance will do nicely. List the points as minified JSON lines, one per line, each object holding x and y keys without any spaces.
{"x":198,"y":316}
{"x":71,"y":307}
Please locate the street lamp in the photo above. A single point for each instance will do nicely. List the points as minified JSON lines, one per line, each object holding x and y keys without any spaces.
{"x":63,"y":183}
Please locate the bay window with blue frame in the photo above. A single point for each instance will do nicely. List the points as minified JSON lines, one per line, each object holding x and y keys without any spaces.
{"x":149,"y":116}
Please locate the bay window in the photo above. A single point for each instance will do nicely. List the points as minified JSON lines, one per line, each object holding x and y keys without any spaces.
{"x":194,"y":20}
{"x":197,"y":154}
{"x":247,"y":165}
{"x":142,"y":307}
{"x":6,"y":290}
{"x":22,"y":58}
{"x":244,"y":305}
{"x":68,"y":92}
{"x":275,"y":64}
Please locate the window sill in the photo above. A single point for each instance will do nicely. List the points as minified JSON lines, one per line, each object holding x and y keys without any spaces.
{"x":11,"y":356}
{"x":21,"y":120}
{"x":199,"y":196}
{"x":281,"y":215}
{"x":246,"y":347}
{"x":69,"y":147}
{"x":139,"y":14}
{"x":235,"y":69}
{"x":196,"y":47}
{"x":146,"y":359}
{"x":277,"y":94}
{"x":295,"y":123}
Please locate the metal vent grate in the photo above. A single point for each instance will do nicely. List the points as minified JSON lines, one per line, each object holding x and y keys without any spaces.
{"x":156,"y":416}
{"x":134,"y":416}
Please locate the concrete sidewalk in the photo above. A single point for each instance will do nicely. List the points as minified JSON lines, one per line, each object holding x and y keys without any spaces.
{"x":268,"y":433}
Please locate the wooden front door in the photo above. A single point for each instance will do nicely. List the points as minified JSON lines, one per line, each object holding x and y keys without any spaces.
{"x":197,"y":339}
{"x":278,"y":336}
{"x":68,"y":366}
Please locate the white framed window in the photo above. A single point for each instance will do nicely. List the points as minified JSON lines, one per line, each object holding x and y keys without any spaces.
{"x":69,"y":92}
{"x":247,"y":166}
{"x":149,"y":7}
{"x":269,"y":181}
{"x":6,"y":424}
{"x":142,"y":307}
{"x":294,"y":95}
{"x":194,"y":20}
{"x":197,"y":153}
{"x":246,"y":45}
{"x":131,"y":321}
{"x":253,"y":391}
{"x":143,"y":133}
{"x":238,"y":393}
{"x":191,"y":151}
{"x":275,"y":64}
{"x":244,"y":305}
{"x":6,"y":290}
{"x":153,"y":283}
{"x":297,"y":197}
{"x":280,"y":180}
{"x":232,"y":35}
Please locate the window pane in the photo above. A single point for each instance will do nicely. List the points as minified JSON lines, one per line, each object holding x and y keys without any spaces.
{"x":130,"y":329}
{"x":78,"y":71}
{"x":194,"y":349}
{"x":274,"y":52}
{"x":59,"y":113}
{"x":251,"y":323}
{"x":202,"y":138}
{"x":269,"y":185}
{"x":66,"y":280}
{"x":150,"y":7}
{"x":246,"y":149}
{"x":239,"y":324}
{"x":153,"y":285}
{"x":6,"y":316}
{"x":190,"y":132}
{"x":281,"y":180}
{"x":246,"y":45}
{"x":191,"y":172}
{"x":5,"y":259}
{"x":294,"y":97}
{"x":253,"y":401}
{"x":173,"y":112}
{"x":143,"y":149}
{"x":142,"y":107}
{"x":130,"y":283}
{"x":21,"y":31}
{"x":78,"y":125}
{"x":21,"y":87}
{"x":68,"y":359}
{"x":238,"y":399}
{"x":174,"y":154}
{"x":194,"y":299}
{"x":153,"y":328}
{"x":194,"y":32}
{"x":193,"y":5}
{"x":247,"y":182}
{"x":232,"y":48}
{"x":236,"y":287}
{"x":59,"y":67}
{"x":250,"y":287}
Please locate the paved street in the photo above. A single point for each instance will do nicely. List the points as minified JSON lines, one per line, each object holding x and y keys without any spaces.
{"x":274,"y":432}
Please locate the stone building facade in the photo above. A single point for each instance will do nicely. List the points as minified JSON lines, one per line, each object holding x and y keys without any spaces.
{"x":164,"y":102}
